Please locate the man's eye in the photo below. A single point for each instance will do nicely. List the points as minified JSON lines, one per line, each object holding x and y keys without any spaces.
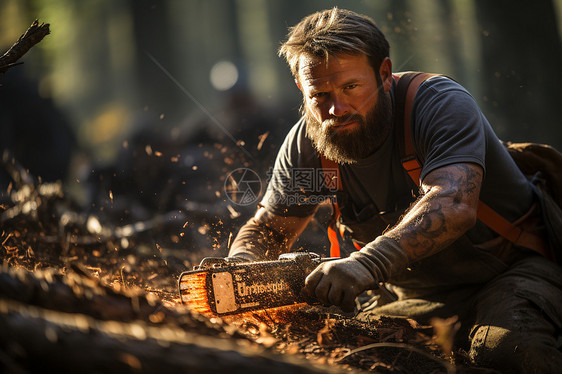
{"x":318,"y":95}
{"x":351,"y":86}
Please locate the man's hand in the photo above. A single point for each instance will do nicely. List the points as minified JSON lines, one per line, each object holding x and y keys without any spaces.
{"x":339,"y":282}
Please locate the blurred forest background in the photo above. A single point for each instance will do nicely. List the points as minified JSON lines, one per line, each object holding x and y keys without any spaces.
{"x":143,"y":105}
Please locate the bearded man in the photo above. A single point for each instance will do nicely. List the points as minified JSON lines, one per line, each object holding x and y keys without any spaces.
{"x":425,"y":244}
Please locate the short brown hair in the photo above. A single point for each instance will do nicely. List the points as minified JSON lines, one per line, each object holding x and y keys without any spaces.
{"x":331,"y":32}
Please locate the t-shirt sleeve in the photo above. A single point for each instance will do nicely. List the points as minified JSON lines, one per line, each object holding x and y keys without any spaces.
{"x":448,"y":126}
{"x":292,"y":188}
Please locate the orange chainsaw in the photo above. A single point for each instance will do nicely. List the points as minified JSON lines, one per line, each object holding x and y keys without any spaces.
{"x":221,"y":288}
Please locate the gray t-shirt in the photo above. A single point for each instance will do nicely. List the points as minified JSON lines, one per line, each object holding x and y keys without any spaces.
{"x":447,"y":127}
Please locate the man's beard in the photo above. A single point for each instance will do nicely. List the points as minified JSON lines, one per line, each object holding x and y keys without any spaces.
{"x":350,"y":146}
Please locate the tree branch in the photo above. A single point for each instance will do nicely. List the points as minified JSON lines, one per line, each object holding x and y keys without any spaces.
{"x":34,"y":34}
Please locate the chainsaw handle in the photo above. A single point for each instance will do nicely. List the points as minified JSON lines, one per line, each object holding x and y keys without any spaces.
{"x":308,"y":260}
{"x":381,"y":289}
{"x":211,"y":262}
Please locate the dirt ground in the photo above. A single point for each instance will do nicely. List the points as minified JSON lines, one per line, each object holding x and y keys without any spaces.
{"x":78,"y":293}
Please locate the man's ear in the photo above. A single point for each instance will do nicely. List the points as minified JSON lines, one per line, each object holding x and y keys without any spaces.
{"x":385,"y":72}
{"x":298,"y":84}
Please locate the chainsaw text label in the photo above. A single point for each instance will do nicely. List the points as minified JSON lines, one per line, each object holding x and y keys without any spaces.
{"x":260,"y":288}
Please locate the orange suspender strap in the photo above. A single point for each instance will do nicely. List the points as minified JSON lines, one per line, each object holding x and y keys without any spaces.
{"x":486,"y":215}
{"x":509,"y":231}
{"x":408,"y":84}
{"x":332,"y":232}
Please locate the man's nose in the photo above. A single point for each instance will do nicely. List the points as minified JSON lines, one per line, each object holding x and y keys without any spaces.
{"x":338,"y":106}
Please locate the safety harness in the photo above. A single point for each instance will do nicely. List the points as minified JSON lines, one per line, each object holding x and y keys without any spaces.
{"x":407,"y":85}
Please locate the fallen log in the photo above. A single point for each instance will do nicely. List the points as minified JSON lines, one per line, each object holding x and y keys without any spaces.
{"x":35,"y":339}
{"x":77,"y":293}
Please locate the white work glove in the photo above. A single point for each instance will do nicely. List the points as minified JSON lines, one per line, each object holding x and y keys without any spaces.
{"x":339,"y":282}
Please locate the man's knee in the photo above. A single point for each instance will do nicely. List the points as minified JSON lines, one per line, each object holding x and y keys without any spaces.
{"x":508,"y":351}
{"x":491,"y":345}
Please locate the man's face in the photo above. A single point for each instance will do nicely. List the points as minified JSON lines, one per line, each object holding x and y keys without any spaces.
{"x":348,"y":114}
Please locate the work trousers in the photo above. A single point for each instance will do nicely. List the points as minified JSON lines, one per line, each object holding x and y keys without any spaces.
{"x":512,"y":324}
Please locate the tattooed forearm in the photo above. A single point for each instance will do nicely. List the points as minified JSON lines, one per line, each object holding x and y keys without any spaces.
{"x":458,"y":179}
{"x":444,"y":211}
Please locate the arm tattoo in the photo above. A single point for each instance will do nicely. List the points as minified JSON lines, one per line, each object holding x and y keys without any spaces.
{"x":438,"y":217}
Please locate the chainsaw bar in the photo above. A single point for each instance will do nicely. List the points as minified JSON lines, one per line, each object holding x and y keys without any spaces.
{"x":221,"y":288}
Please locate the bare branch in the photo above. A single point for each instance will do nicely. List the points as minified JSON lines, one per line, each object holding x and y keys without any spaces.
{"x":34,"y":34}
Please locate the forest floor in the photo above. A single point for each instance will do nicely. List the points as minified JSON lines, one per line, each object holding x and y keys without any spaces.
{"x":81,"y":295}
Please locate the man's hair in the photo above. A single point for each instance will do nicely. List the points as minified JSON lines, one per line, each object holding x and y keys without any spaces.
{"x":334,"y":31}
